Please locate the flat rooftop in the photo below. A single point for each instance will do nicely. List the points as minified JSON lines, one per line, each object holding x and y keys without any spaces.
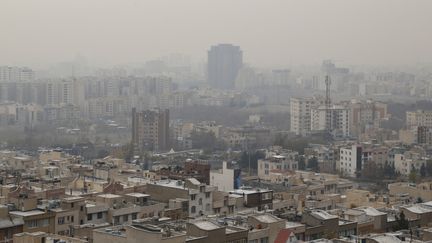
{"x":267,"y":218}
{"x":136,"y":194}
{"x":323,"y":214}
{"x":27,"y":213}
{"x":247,"y":190}
{"x":109,"y":195}
{"x":206,"y":225}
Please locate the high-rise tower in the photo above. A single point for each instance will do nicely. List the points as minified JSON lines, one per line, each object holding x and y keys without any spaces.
{"x":223,"y":65}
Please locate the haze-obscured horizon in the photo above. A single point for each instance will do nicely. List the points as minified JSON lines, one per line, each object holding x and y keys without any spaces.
{"x":270,"y":33}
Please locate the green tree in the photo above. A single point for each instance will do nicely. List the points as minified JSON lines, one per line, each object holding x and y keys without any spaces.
{"x":413,"y":175}
{"x":301,"y":162}
{"x":423,"y":171}
{"x":429,"y":167}
{"x":203,"y":140}
{"x":254,"y":157}
{"x":313,"y":164}
{"x":401,"y":222}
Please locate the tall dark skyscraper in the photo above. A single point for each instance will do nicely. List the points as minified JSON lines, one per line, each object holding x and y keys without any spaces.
{"x":224,"y":63}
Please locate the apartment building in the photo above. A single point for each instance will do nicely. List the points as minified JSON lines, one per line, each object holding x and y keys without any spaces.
{"x":300,"y":114}
{"x":419,"y":118}
{"x":150,"y":130}
{"x":350,"y":160}
{"x":199,"y":195}
{"x":339,"y":120}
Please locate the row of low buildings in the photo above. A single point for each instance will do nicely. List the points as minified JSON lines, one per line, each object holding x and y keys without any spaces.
{"x":70,"y":199}
{"x":108,"y":97}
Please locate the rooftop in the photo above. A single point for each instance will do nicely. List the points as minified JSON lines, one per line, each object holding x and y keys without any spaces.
{"x":323,"y":215}
{"x":248,"y":190}
{"x":136,"y":194}
{"x":206,"y":225}
{"x":27,"y":213}
{"x":372,"y":211}
{"x":418,"y":209}
{"x":267,"y":218}
{"x":109,"y":195}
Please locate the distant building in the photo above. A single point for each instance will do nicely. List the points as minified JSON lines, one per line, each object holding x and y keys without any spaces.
{"x":260,"y":198}
{"x":150,"y":130}
{"x":419,"y":118}
{"x":350,"y":162}
{"x":277,"y":161}
{"x":300,"y":111}
{"x":366,"y":115}
{"x":339,"y":124}
{"x":16,"y":74}
{"x":424,"y":135}
{"x":226,"y":179}
{"x":224,"y":63}
{"x":199,"y":195}
{"x":408,"y":162}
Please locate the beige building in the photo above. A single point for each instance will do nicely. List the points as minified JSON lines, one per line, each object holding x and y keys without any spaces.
{"x":418,"y":118}
{"x":138,"y":233}
{"x":43,"y":237}
{"x":421,"y":190}
{"x":150,"y":130}
{"x":404,"y":163}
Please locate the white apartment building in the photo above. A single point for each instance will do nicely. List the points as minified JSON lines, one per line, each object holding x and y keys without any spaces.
{"x":300,"y":114}
{"x":339,"y":123}
{"x":16,"y":74}
{"x":276,"y":163}
{"x":350,"y":161}
{"x":225,"y":178}
{"x":404,"y":163}
{"x":70,"y":92}
{"x":419,"y":118}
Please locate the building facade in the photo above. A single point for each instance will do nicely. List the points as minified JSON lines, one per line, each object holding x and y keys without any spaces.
{"x":150,"y":130}
{"x":224,"y":63}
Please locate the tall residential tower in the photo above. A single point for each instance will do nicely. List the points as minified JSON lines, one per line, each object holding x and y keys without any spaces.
{"x":150,"y":130}
{"x":223,"y":65}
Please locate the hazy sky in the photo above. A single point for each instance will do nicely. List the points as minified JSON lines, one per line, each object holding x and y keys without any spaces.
{"x":270,"y":32}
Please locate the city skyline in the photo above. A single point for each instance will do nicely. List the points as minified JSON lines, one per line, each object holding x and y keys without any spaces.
{"x":276,"y":33}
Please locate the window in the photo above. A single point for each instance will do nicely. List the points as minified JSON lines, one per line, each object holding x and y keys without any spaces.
{"x":43,"y":222}
{"x":32,"y":224}
{"x":89,"y":216}
{"x":61,"y":220}
{"x":72,"y":219}
{"x":125,"y":218}
{"x":207,"y":194}
{"x":193,"y":197}
{"x":72,"y":205}
{"x":200,"y":201}
{"x":193,"y":209}
{"x":82,"y":208}
{"x":99,"y":215}
{"x":134,"y":216}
